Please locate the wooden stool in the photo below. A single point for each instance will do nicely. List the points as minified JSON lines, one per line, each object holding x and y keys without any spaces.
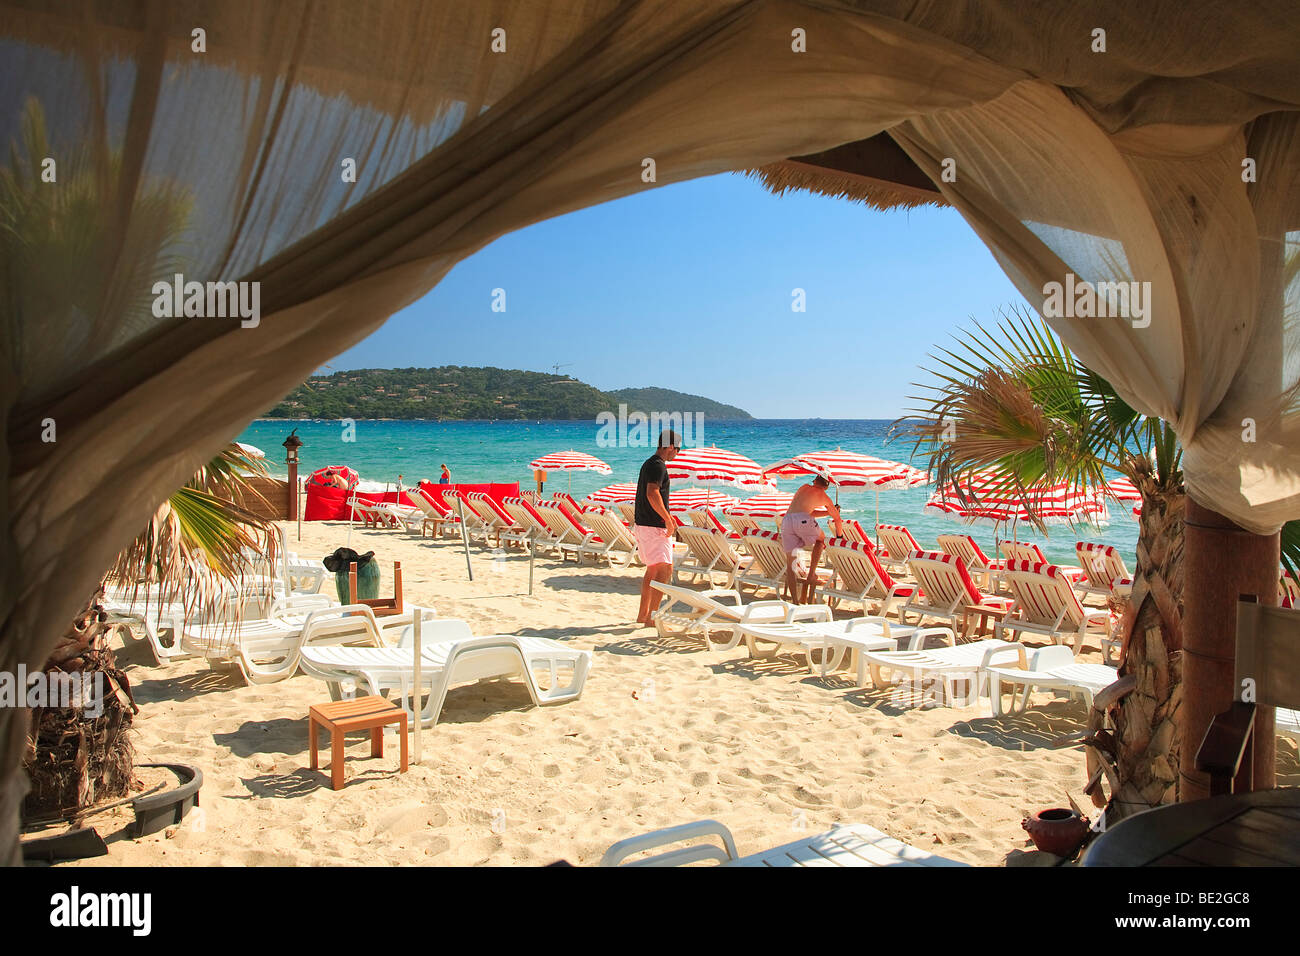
{"x":341,"y":716}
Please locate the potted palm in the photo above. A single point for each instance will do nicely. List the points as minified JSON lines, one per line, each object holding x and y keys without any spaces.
{"x":195,"y":548}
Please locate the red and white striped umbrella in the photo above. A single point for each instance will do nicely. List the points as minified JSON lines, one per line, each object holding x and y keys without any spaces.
{"x":770,"y":505}
{"x":688,"y":499}
{"x":570,"y":461}
{"x":1121,"y":489}
{"x":994,"y":498}
{"x":612,"y":494}
{"x":849,"y":469}
{"x":718,"y":464}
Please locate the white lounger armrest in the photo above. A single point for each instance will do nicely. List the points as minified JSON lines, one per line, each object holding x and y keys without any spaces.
{"x":764,"y":609}
{"x":919,"y":637}
{"x":719,"y":593}
{"x":687,"y":831}
{"x":807,"y":612}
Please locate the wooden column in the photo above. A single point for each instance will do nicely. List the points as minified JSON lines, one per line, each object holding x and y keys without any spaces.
{"x":1220,"y":562}
{"x":292,"y":511}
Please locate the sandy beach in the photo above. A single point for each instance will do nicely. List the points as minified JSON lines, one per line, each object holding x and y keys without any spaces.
{"x":665,"y":733}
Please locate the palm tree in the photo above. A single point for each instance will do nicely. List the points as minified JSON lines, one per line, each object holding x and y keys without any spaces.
{"x":1015,"y":400}
{"x":193,"y":545}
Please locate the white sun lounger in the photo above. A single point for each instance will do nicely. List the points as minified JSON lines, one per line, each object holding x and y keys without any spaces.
{"x":1046,"y":604}
{"x":1047,"y":668}
{"x":619,"y":547}
{"x":706,"y":611}
{"x":861,"y":578}
{"x":838,"y":640}
{"x":269,"y":651}
{"x":1104,"y":572}
{"x":948,"y":665}
{"x":529,"y":525}
{"x":709,"y":553}
{"x":768,"y":568}
{"x":451,"y":654}
{"x":248,"y":602}
{"x":843,"y":845}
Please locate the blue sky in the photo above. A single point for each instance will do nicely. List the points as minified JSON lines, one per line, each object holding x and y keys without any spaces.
{"x":689,"y":287}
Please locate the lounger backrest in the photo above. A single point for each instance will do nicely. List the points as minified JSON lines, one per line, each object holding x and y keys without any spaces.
{"x":341,"y":623}
{"x":627,"y":510}
{"x":611,"y":531}
{"x":490,"y":510}
{"x":855,"y":532}
{"x":943,"y":578}
{"x":573,"y":525}
{"x":963,"y":546}
{"x":741,"y":522}
{"x":898,"y":541}
{"x":765,"y":546}
{"x":856,"y":564}
{"x":555,"y":520}
{"x":707,"y":546}
{"x":526,"y":516}
{"x":434,"y":509}
{"x":1022,"y":551}
{"x":567,"y":499}
{"x":459,"y":504}
{"x":1042,"y":592}
{"x":1101,"y":564}
{"x":699,"y":601}
{"x":714,"y":523}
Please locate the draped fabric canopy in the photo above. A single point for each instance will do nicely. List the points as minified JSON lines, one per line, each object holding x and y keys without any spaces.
{"x":345,"y":156}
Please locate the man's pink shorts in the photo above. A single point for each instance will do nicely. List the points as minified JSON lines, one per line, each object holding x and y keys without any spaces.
{"x":654,"y":545}
{"x":798,"y":530}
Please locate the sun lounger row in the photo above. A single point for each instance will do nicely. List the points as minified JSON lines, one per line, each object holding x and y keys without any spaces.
{"x":1044,"y":605}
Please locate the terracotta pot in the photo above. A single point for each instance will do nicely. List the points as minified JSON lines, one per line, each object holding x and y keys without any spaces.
{"x":1057,"y":831}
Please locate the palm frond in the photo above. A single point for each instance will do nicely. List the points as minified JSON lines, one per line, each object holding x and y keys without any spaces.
{"x":1291,"y":547}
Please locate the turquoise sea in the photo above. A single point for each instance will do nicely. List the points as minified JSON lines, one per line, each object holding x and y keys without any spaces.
{"x":479,"y":451}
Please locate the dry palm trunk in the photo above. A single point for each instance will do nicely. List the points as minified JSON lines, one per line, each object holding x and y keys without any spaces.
{"x":75,"y":758}
{"x":1148,"y":734}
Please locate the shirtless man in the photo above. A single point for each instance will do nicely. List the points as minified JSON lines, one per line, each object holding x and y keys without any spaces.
{"x":799,"y":530}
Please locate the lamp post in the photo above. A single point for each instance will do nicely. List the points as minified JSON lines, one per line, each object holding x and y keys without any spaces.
{"x":291,"y":446}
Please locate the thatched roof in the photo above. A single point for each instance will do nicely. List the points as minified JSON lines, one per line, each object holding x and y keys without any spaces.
{"x":875,"y":171}
{"x":838,"y":184}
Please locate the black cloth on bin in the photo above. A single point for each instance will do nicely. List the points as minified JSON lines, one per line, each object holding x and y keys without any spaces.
{"x":343,"y":557}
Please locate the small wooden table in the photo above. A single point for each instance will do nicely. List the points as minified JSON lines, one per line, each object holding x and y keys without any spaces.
{"x":340,"y":717}
{"x":1247,"y":829}
{"x":990,"y":608}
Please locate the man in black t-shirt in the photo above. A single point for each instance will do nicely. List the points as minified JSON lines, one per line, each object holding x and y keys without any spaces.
{"x":654,"y":524}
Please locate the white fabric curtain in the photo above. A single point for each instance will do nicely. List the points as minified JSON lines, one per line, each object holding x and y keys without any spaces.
{"x":227,"y":164}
